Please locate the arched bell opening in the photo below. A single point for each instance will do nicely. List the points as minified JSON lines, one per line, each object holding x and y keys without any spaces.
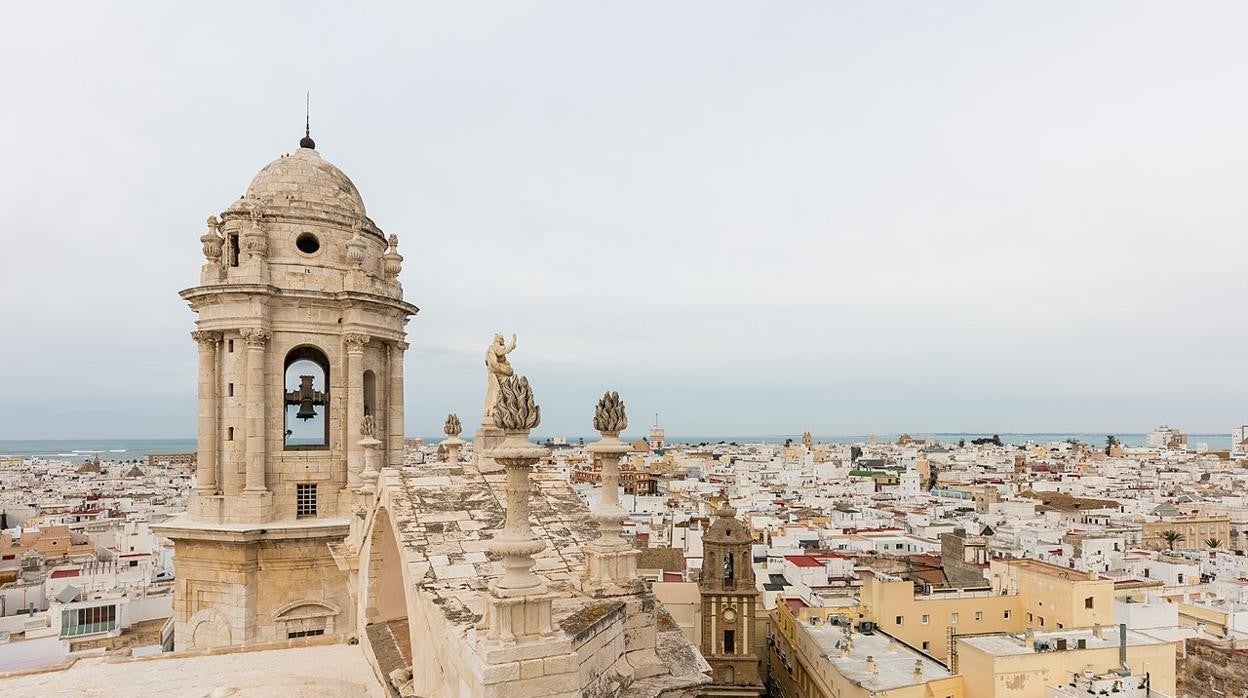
{"x":306,"y":390}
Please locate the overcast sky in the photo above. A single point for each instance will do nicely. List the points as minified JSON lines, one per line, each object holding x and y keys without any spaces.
{"x":752,"y":218}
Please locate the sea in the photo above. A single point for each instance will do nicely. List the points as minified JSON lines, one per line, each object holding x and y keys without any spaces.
{"x":138,"y":449}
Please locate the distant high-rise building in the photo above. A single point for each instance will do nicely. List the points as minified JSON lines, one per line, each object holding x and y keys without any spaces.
{"x":1239,"y":439}
{"x":1166,"y":436}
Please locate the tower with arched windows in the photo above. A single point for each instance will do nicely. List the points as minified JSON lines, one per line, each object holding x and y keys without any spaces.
{"x":300,"y":327}
{"x":730,"y":601}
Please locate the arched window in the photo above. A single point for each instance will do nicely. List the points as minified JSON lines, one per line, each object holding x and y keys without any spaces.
{"x":728,"y":570}
{"x":728,"y":674}
{"x":370,"y":393}
{"x":306,"y":411}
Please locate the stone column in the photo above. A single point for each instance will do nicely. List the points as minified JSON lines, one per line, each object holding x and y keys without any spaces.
{"x":256,"y":413}
{"x":611,"y":563}
{"x":518,"y":606}
{"x":394,"y":426}
{"x":355,"y":405}
{"x":206,"y":456}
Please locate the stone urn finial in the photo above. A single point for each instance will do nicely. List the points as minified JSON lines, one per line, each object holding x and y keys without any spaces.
{"x":452,"y":428}
{"x":356,"y":247}
{"x":609,"y":417}
{"x":212,"y":240}
{"x":515,"y":409}
{"x":392,"y":260}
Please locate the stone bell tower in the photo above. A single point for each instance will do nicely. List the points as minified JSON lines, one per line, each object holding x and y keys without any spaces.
{"x":301,"y":334}
{"x":729,"y":603}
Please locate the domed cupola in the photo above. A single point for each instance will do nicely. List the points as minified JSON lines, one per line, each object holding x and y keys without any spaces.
{"x":303,"y":184}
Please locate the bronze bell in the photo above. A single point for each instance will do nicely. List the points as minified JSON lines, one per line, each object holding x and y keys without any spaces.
{"x":306,"y":410}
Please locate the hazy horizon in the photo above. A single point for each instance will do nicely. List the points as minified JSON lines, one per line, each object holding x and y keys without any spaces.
{"x":835,"y":217}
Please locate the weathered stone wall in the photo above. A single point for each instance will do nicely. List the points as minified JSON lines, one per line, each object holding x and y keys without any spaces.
{"x":1212,"y":669}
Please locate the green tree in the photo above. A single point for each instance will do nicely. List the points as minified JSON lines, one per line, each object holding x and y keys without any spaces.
{"x":1110,"y":442}
{"x":1171,"y":537}
{"x":1213,"y":543}
{"x":855,"y":452}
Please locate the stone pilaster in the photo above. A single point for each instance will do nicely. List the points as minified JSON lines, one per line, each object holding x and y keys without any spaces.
{"x":355,"y":405}
{"x":256,"y":341}
{"x":209,"y":438}
{"x":394,"y":426}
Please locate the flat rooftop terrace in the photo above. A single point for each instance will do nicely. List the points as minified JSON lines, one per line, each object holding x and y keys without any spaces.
{"x":894,"y":663}
{"x":331,"y":671}
{"x":1004,"y":644}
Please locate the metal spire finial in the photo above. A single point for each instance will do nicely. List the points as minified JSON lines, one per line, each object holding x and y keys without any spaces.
{"x":306,"y":141}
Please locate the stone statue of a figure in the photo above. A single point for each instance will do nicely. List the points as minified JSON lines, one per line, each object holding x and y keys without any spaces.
{"x":497,"y":369}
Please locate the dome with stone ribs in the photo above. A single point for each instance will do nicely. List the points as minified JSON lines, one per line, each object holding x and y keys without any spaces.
{"x":305,"y":182}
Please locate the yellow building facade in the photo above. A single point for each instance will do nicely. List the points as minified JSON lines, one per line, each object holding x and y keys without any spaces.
{"x":1194,"y":529}
{"x":998,"y":666}
{"x":1055,"y":597}
{"x":926,"y":622}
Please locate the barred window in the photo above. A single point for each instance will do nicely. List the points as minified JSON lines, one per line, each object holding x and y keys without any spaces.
{"x":305,"y":500}
{"x":292,"y":634}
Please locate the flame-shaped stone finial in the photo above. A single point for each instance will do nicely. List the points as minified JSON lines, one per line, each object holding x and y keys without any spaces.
{"x":452,"y":428}
{"x":515,"y":409}
{"x":609,"y":417}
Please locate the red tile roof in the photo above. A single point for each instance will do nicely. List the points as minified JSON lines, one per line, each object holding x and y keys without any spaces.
{"x":60,"y":574}
{"x":803,"y":560}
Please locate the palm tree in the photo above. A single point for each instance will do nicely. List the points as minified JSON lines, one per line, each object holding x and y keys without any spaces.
{"x":1213,"y":543}
{"x":1171,"y":537}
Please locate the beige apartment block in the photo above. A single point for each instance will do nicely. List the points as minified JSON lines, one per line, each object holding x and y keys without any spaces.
{"x":929,"y":622}
{"x":1194,"y":528}
{"x":1055,"y":597}
{"x":1025,"y":665}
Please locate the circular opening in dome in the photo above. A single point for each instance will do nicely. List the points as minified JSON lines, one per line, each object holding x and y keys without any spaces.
{"x":307,"y":243}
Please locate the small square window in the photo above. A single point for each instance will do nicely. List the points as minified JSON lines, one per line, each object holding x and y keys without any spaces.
{"x":953,"y":618}
{"x":927,"y":645}
{"x":1006,"y":615}
{"x":979,"y":616}
{"x":926,"y":619}
{"x":305,"y":500}
{"x":229,"y":433}
{"x":229,"y":390}
{"x":899,"y":619}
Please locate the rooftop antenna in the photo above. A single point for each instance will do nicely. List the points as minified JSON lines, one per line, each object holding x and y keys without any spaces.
{"x":306,"y":141}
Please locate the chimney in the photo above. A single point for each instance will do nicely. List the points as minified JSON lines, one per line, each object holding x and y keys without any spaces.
{"x":871,"y":668}
{"x":918,"y":670}
{"x":1122,"y":648}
